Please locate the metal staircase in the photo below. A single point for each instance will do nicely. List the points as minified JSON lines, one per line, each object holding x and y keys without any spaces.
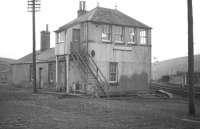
{"x":88,"y":66}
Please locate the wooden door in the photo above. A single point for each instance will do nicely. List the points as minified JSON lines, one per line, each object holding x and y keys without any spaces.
{"x":76,"y":39}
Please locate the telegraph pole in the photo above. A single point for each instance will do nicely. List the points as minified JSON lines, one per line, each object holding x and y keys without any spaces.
{"x":190,"y":59}
{"x":34,"y":6}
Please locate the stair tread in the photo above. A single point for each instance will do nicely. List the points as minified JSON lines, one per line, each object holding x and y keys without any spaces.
{"x":85,"y":62}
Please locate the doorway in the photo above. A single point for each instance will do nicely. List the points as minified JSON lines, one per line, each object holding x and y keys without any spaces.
{"x":76,"y":39}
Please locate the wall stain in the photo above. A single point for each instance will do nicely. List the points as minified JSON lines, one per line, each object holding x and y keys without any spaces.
{"x":134,"y":82}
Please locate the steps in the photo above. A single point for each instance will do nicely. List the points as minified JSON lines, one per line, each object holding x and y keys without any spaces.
{"x":96,"y":80}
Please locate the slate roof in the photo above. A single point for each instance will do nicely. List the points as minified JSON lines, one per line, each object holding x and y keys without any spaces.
{"x":108,"y":16}
{"x":44,"y":56}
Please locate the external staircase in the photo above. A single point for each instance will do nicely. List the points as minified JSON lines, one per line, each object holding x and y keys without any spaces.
{"x":94,"y":75}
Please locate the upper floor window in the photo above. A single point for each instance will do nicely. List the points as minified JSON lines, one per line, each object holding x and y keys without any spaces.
{"x":131,"y":35}
{"x":118,"y":33}
{"x":106,"y":33}
{"x":113,"y":72}
{"x":143,"y":37}
{"x":61,"y":36}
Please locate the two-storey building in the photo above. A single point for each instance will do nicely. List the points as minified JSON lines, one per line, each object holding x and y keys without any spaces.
{"x":105,"y":50}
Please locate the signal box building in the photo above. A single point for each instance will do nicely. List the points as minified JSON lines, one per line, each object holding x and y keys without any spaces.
{"x":105,"y":51}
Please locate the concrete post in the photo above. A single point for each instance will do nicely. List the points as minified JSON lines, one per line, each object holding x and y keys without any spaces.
{"x":56,"y":73}
{"x":67,"y":72}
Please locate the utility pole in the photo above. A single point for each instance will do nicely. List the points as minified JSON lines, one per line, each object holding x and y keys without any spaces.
{"x":190,"y":59}
{"x":34,"y":6}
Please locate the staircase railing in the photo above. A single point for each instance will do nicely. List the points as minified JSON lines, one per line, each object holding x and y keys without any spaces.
{"x":99,"y":73}
{"x":86,"y":60}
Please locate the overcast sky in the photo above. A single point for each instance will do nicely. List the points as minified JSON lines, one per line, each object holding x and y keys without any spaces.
{"x":168,"y":18}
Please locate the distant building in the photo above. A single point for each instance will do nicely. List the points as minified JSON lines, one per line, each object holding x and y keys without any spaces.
{"x":45,"y":68}
{"x":105,"y":51}
{"x":5,"y":70}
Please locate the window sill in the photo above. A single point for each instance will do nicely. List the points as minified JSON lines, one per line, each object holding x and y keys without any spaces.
{"x":119,"y":42}
{"x":60,"y":42}
{"x":106,"y":41}
{"x":113,"y":83}
{"x":131,"y":43}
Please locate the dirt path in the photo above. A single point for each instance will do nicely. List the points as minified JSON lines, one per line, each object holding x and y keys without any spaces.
{"x":20,"y":109}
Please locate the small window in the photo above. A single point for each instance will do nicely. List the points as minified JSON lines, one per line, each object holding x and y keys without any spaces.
{"x":118,"y":32}
{"x":51,"y":75}
{"x":143,"y":37}
{"x":30,"y":72}
{"x":113,"y":72}
{"x":131,"y":36}
{"x":106,"y":33}
{"x":61,"y":36}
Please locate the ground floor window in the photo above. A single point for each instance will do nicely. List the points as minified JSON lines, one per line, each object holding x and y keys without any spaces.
{"x":31,"y":72}
{"x":113,"y":72}
{"x":51,"y":76}
{"x":50,"y":73}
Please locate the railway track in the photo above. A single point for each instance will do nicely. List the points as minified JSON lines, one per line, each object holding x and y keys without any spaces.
{"x":175,"y":89}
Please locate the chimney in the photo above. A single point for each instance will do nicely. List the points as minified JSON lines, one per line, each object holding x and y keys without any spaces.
{"x":82,"y":8}
{"x":83,"y":5}
{"x":45,"y":39}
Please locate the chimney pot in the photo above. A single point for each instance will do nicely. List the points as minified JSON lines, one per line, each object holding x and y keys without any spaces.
{"x":80,"y":5}
{"x":83,"y":5}
{"x":47,"y":27}
{"x":82,"y":9}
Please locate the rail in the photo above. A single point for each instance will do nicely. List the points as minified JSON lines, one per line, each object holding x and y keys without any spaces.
{"x":174,"y":88}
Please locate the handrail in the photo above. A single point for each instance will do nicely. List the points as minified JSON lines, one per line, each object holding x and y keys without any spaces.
{"x":85,"y":59}
{"x":90,"y":70}
{"x":98,"y":69}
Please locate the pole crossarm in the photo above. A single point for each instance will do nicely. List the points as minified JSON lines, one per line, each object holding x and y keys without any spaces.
{"x":34,"y":4}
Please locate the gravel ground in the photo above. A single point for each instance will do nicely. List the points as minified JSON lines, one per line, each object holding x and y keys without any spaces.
{"x":21,"y":109}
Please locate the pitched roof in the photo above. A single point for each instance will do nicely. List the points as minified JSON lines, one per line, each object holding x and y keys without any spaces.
{"x":44,"y":56}
{"x":47,"y":55}
{"x":6,"y":60}
{"x":105,"y":15}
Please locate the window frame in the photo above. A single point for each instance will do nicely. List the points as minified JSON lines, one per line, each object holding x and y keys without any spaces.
{"x":108,"y":32}
{"x":50,"y":72}
{"x":119,"y":34}
{"x":130,"y":31}
{"x":61,"y":37}
{"x":143,"y":37}
{"x":113,"y":72}
{"x":30,"y":72}
{"x":51,"y":76}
